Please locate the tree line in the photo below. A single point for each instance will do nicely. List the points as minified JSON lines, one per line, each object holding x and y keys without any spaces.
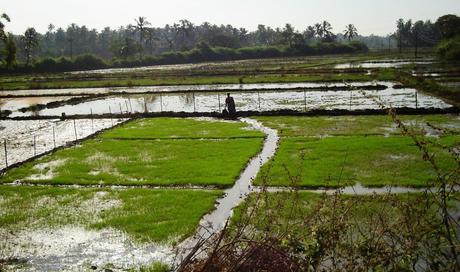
{"x":141,"y":43}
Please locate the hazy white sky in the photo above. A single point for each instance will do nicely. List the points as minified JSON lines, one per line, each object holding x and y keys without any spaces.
{"x":369,"y":16}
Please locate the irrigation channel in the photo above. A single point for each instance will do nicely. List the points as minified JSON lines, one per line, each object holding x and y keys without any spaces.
{"x":71,"y":248}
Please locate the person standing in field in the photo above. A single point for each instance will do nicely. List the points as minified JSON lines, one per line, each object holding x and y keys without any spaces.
{"x":230,"y":105}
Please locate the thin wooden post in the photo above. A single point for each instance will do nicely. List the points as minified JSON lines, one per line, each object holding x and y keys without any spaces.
{"x":258,"y":98}
{"x":92,"y":120}
{"x":304,"y":100}
{"x":218,"y":102}
{"x":35,"y":146}
{"x":161,"y":102}
{"x":75,"y":129}
{"x":6,"y":153}
{"x":145,"y":105}
{"x":54,"y":137}
{"x":351,"y":97}
{"x":127,"y":109}
{"x":194,"y":105}
{"x":121,"y":111}
{"x":130,"y":105}
{"x":416,"y":99}
{"x":110,"y":111}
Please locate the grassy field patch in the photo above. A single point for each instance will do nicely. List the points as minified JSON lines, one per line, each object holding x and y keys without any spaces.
{"x":354,"y":125}
{"x":345,"y":150}
{"x":182,"y":128}
{"x":159,"y":151}
{"x":143,"y":162}
{"x":146,"y":215}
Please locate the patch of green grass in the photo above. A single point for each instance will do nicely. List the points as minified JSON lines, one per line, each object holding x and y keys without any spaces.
{"x":159,"y":215}
{"x":144,"y":152}
{"x":145,"y":215}
{"x":339,"y":161}
{"x":143,"y":162}
{"x":168,"y":128}
{"x":155,"y":267}
{"x":353,"y":125}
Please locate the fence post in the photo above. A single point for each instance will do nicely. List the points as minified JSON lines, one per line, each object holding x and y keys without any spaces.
{"x":35,"y":146}
{"x":130,"y":105}
{"x":351,"y":96}
{"x":92,"y":121}
{"x":75,"y":129}
{"x":161,"y":102}
{"x":416,"y":99}
{"x":145,"y":106}
{"x":54,"y":137}
{"x":304,"y":100}
{"x":218,"y":101}
{"x":121,"y":111}
{"x":258,"y":98}
{"x":6,"y":153}
{"x":194,"y":105}
{"x":110,"y":111}
{"x":127,"y":109}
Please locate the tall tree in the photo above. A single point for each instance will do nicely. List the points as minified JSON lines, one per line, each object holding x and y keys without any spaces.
{"x":71,"y":35}
{"x":9,"y":51}
{"x":350,"y":32}
{"x":328,"y":36}
{"x":30,"y":42}
{"x":141,"y":24}
{"x":449,"y":25}
{"x":3,"y":18}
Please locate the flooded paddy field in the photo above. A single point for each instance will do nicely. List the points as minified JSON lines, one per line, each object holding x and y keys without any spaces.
{"x":27,"y":139}
{"x":58,"y":229}
{"x":211,"y":98}
{"x":190,"y":88}
{"x":162,"y":181}
{"x":124,"y":227}
{"x":384,"y":63}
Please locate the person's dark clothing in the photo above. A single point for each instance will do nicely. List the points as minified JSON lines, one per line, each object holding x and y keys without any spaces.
{"x":230,"y":103}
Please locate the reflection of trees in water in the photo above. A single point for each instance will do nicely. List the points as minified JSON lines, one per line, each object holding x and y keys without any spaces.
{"x":137,"y":102}
{"x":187,"y":98}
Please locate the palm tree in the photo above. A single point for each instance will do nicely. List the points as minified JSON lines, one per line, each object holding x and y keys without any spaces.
{"x":309,"y":33}
{"x":30,"y":41}
{"x":141,"y":24}
{"x":3,"y":17}
{"x":350,"y":32}
{"x":319,"y":30}
{"x":327,"y":28}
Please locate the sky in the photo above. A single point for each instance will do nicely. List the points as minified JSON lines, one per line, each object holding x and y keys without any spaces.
{"x":369,"y":16}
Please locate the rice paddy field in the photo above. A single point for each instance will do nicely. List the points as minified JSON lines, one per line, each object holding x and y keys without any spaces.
{"x":90,"y":179}
{"x":346,"y":150}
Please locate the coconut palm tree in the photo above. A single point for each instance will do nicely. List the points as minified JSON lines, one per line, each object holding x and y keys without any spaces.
{"x":141,"y":24}
{"x":3,"y":17}
{"x":350,"y":32}
{"x":319,"y":30}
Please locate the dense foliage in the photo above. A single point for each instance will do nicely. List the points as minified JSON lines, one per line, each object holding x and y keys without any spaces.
{"x":79,"y":48}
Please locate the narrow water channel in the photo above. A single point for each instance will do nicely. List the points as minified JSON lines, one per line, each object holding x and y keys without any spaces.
{"x":215,"y":221}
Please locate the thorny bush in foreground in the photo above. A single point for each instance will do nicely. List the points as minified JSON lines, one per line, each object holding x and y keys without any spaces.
{"x":295,"y":231}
